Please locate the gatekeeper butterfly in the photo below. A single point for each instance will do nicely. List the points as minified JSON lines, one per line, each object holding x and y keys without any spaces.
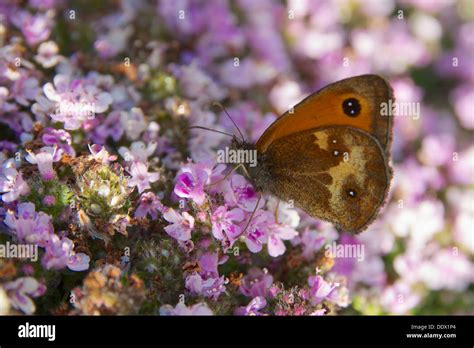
{"x":330,"y":154}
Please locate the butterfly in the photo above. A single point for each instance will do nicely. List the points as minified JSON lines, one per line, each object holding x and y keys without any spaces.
{"x":329,"y":154}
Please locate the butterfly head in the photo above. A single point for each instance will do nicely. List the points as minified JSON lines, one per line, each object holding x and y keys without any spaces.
{"x":255,"y":167}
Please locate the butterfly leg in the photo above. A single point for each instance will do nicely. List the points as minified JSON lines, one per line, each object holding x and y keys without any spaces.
{"x":252,"y":215}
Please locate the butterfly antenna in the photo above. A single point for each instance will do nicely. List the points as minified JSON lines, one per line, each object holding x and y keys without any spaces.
{"x":210,"y":129}
{"x":228,"y":115}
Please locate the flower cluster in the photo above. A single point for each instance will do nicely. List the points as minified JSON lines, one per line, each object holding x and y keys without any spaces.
{"x":100,"y":170}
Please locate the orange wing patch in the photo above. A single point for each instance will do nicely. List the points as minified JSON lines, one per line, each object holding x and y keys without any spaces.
{"x":325,"y":108}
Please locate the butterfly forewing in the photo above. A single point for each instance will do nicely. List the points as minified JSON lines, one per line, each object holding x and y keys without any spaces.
{"x":354,"y":102}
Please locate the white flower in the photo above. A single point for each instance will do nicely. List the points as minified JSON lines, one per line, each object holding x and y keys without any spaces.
{"x":48,"y":54}
{"x":138,"y":151}
{"x":12,"y":184}
{"x":140,"y":176}
{"x":44,"y":159}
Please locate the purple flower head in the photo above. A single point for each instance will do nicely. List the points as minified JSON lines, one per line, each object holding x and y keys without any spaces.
{"x":141,"y":178}
{"x":240,"y":193}
{"x":224,"y":223}
{"x":263,"y":229}
{"x":35,"y":28}
{"x":190,"y":183}
{"x":30,"y":226}
{"x":111,"y":126}
{"x":277,"y":234}
{"x":77,"y":100}
{"x":208,"y":263}
{"x":320,"y":289}
{"x":149,"y":204}
{"x":59,"y":254}
{"x":48,"y":200}
{"x":207,"y":282}
{"x":181,"y":224}
{"x":256,"y":283}
{"x":21,"y":290}
{"x":44,"y":160}
{"x":25,"y":89}
{"x":253,"y":307}
{"x":59,"y":138}
{"x":210,"y":287}
{"x":181,"y":309}
{"x":12,"y":184}
{"x":256,"y":234}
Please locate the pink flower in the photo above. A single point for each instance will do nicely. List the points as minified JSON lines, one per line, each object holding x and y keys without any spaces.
{"x":263,"y":229}
{"x":44,"y":159}
{"x":253,"y":307}
{"x":149,"y":204}
{"x":20,"y":292}
{"x":12,"y":184}
{"x":140,"y":176}
{"x":190,"y":183}
{"x":35,"y":28}
{"x":30,"y":226}
{"x":256,"y":283}
{"x":207,"y":287}
{"x":320,"y":289}
{"x":224,"y":223}
{"x":181,"y":309}
{"x":207,"y":282}
{"x":49,"y":200}
{"x":60,"y":254}
{"x":59,"y":138}
{"x":181,"y":225}
{"x":277,"y":234}
{"x":25,"y":89}
{"x":241,"y":193}
{"x":36,"y":228}
{"x":76,"y":100}
{"x":256,"y":234}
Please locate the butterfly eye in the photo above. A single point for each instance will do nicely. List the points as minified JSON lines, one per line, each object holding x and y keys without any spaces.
{"x":351,"y":107}
{"x":351,"y":193}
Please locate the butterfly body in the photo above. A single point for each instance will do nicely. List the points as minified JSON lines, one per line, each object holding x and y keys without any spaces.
{"x":331,"y":155}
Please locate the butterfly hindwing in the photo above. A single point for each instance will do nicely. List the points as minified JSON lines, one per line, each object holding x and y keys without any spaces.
{"x":337,"y":173}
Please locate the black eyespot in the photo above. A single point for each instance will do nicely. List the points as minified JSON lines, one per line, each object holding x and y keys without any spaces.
{"x":351,"y":193}
{"x":351,"y":107}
